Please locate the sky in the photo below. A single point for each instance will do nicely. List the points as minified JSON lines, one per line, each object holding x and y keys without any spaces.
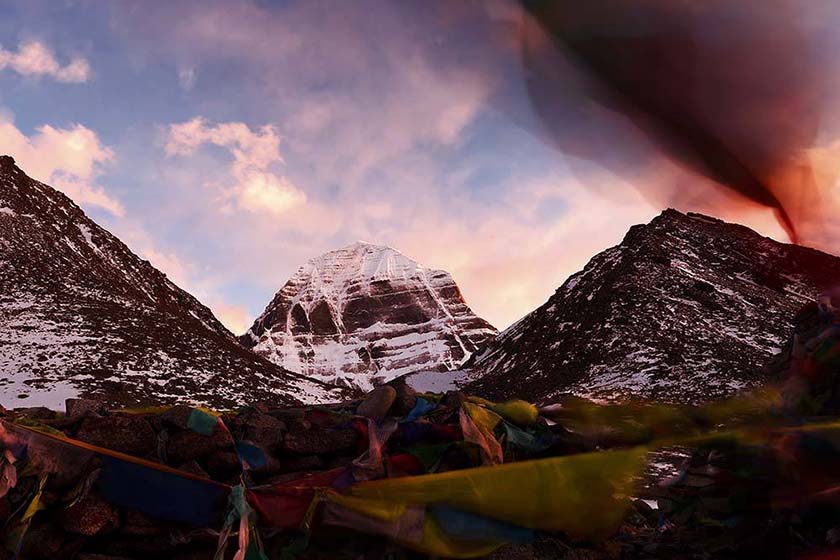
{"x":229,"y":141}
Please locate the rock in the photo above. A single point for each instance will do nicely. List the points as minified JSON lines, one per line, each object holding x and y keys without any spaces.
{"x":127,"y":434}
{"x":222,"y":465}
{"x":76,"y":408}
{"x":286,"y":477}
{"x":645,"y":510}
{"x":288,"y":415}
{"x":48,"y":542}
{"x":177,"y":416}
{"x":91,"y":516}
{"x":149,"y":546}
{"x":453,"y":399}
{"x":377,"y":402}
{"x":261,"y":429}
{"x":300,"y":424}
{"x":320,"y":441}
{"x":37,"y":413}
{"x":340,"y":462}
{"x":193,"y":467}
{"x":186,"y":445}
{"x":406,"y":398}
{"x":139,"y":524}
{"x":5,"y":510}
{"x":513,"y":552}
{"x":296,"y":464}
{"x":195,"y":554}
{"x":272,"y":466}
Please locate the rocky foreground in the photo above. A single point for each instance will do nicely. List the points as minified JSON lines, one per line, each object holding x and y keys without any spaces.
{"x":81,"y":315}
{"x":289,"y":451}
{"x":405,"y":475}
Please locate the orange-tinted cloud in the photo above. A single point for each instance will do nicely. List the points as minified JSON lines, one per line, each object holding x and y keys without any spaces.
{"x":253,"y":186}
{"x":33,"y":58}
{"x":69,"y":159}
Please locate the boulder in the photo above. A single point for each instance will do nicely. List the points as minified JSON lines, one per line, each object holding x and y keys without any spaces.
{"x":187,"y":445}
{"x":90,"y":516}
{"x":453,"y":399}
{"x":138,"y":524}
{"x":261,"y":429}
{"x":297,"y":464}
{"x":405,"y":400}
{"x":377,"y":403}
{"x":222,"y":465}
{"x":76,"y":408}
{"x":5,"y":510}
{"x":177,"y":416}
{"x":320,"y":441}
{"x":37,"y":413}
{"x":272,"y":466}
{"x":193,"y":467}
{"x":288,"y":415}
{"x":48,"y":542}
{"x":127,"y":434}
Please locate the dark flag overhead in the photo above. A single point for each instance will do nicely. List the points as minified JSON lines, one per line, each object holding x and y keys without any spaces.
{"x":731,"y":90}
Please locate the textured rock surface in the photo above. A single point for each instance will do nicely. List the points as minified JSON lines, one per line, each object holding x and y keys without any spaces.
{"x":80,"y":314}
{"x":365,"y":314}
{"x":686,"y":308}
{"x":320,"y":441}
{"x":90,"y":516}
{"x":378,"y":402}
{"x":127,"y":434}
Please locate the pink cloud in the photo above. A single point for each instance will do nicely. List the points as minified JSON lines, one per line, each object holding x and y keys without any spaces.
{"x":69,"y":159}
{"x":508,"y":263}
{"x":33,"y":58}
{"x":374,"y":114}
{"x":254,"y":187}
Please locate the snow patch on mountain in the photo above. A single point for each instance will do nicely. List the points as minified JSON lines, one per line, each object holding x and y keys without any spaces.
{"x":81,"y":315}
{"x":365,"y":314}
{"x":687,"y":308}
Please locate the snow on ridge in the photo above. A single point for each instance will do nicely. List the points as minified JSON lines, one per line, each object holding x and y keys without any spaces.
{"x":81,"y":314}
{"x":364,"y":314}
{"x":712,"y":302}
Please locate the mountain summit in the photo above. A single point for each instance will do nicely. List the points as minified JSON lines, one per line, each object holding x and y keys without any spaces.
{"x":81,"y":315}
{"x":365,"y":314}
{"x":687,"y":308}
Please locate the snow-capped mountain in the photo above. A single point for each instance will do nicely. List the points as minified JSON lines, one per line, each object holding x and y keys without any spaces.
{"x":82,"y":315}
{"x":365,"y":314}
{"x":687,"y":308}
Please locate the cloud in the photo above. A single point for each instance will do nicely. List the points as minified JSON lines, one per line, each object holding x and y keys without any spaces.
{"x":254,"y":187}
{"x":357,"y":90}
{"x":187,"y":77}
{"x":234,"y":317}
{"x":69,"y":159}
{"x":33,"y":58}
{"x":392,"y":124}
{"x":506,"y":258}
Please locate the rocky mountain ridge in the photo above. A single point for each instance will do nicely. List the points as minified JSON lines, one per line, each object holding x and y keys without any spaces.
{"x":81,"y":315}
{"x":687,"y":308}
